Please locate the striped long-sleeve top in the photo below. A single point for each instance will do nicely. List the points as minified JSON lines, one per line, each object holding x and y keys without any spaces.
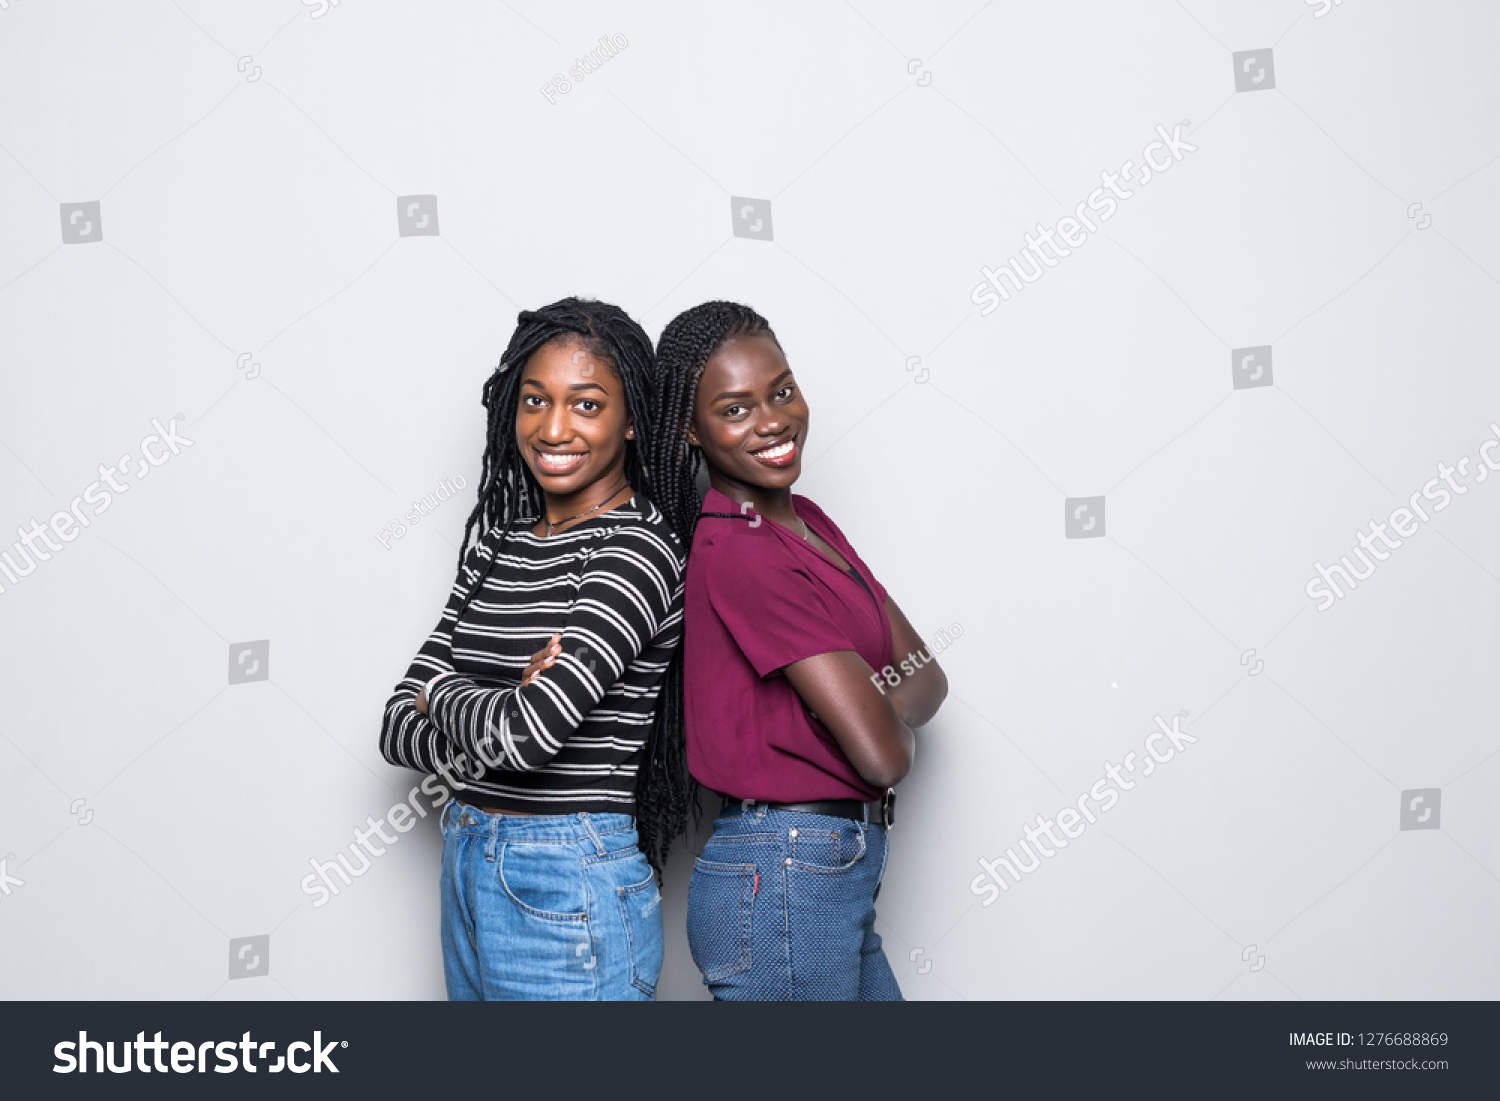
{"x":571,"y":740}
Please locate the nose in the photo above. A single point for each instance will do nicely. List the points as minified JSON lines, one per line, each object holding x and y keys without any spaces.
{"x":554,"y":427}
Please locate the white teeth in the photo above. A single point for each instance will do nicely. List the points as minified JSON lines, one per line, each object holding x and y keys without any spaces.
{"x":559,"y":462}
{"x":778,"y":451}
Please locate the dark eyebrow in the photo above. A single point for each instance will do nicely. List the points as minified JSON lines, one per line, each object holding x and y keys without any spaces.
{"x":775,"y":382}
{"x":573,"y":388}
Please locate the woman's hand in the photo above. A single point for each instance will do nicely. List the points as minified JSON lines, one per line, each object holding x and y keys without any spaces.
{"x":539,"y":661}
{"x":542,"y":659}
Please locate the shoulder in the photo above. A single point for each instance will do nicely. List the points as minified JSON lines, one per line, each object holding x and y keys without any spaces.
{"x":640,"y":527}
{"x":733,"y":552}
{"x":724,"y":526}
{"x":482,"y":550}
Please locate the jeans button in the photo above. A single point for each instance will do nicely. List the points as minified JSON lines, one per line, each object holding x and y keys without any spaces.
{"x":788,"y":862}
{"x":466,"y":821}
{"x":791,"y":833}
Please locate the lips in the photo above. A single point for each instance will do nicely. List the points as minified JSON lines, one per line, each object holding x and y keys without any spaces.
{"x":777,"y":455}
{"x":559,"y":462}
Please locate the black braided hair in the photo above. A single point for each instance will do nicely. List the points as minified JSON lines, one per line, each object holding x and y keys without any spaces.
{"x":509,"y":492}
{"x":686,"y":345}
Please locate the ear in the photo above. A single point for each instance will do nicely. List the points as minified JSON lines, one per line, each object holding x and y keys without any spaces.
{"x":692,"y":435}
{"x":630,"y":429}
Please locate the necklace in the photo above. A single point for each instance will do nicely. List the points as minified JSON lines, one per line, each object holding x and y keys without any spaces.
{"x":806,"y":531}
{"x":551,"y":524}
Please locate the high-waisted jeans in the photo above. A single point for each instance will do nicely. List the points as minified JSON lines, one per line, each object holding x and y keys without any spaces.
{"x":782,"y":908}
{"x":556,"y":907}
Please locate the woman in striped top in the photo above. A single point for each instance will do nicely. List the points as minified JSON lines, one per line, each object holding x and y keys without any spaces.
{"x":536,"y":697}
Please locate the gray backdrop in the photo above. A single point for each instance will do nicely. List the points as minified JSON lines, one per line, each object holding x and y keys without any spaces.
{"x":297,"y":235}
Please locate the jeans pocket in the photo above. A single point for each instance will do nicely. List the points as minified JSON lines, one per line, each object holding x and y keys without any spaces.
{"x":640,"y":910}
{"x":828,"y":852}
{"x":721,"y":902}
{"x":543,"y":880}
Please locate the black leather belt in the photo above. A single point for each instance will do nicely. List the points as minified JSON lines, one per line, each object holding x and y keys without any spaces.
{"x":881,"y":812}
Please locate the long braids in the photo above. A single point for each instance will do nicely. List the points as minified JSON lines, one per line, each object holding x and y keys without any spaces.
{"x":686,"y":345}
{"x":681,"y":354}
{"x":509,"y":492}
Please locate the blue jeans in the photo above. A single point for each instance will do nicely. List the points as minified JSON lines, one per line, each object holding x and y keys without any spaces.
{"x":555,"y":907}
{"x":782,"y":908}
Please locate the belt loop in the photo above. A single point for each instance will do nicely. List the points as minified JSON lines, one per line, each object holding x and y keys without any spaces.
{"x":492,"y":842}
{"x":588,"y":825}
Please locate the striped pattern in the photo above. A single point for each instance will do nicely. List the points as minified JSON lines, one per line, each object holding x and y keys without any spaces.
{"x":571,"y":740}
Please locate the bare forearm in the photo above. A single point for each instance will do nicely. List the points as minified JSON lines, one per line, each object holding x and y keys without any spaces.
{"x":836,"y":687}
{"x":922,"y":687}
{"x":918,"y":698}
{"x":891,"y":769}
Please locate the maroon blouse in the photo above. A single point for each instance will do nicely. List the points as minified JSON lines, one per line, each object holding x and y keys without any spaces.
{"x":760,"y":597}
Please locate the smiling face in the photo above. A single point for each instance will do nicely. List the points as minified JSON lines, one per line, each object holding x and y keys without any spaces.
{"x":749,"y":416}
{"x":571,"y":420}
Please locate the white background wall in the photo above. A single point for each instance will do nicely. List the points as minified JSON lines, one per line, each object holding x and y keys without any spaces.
{"x":153,"y":813}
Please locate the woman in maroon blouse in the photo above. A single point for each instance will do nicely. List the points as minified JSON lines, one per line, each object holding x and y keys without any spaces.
{"x":796,"y":714}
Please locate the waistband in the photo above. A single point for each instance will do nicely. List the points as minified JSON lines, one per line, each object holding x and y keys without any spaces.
{"x":880,"y":812}
{"x":580,"y":826}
